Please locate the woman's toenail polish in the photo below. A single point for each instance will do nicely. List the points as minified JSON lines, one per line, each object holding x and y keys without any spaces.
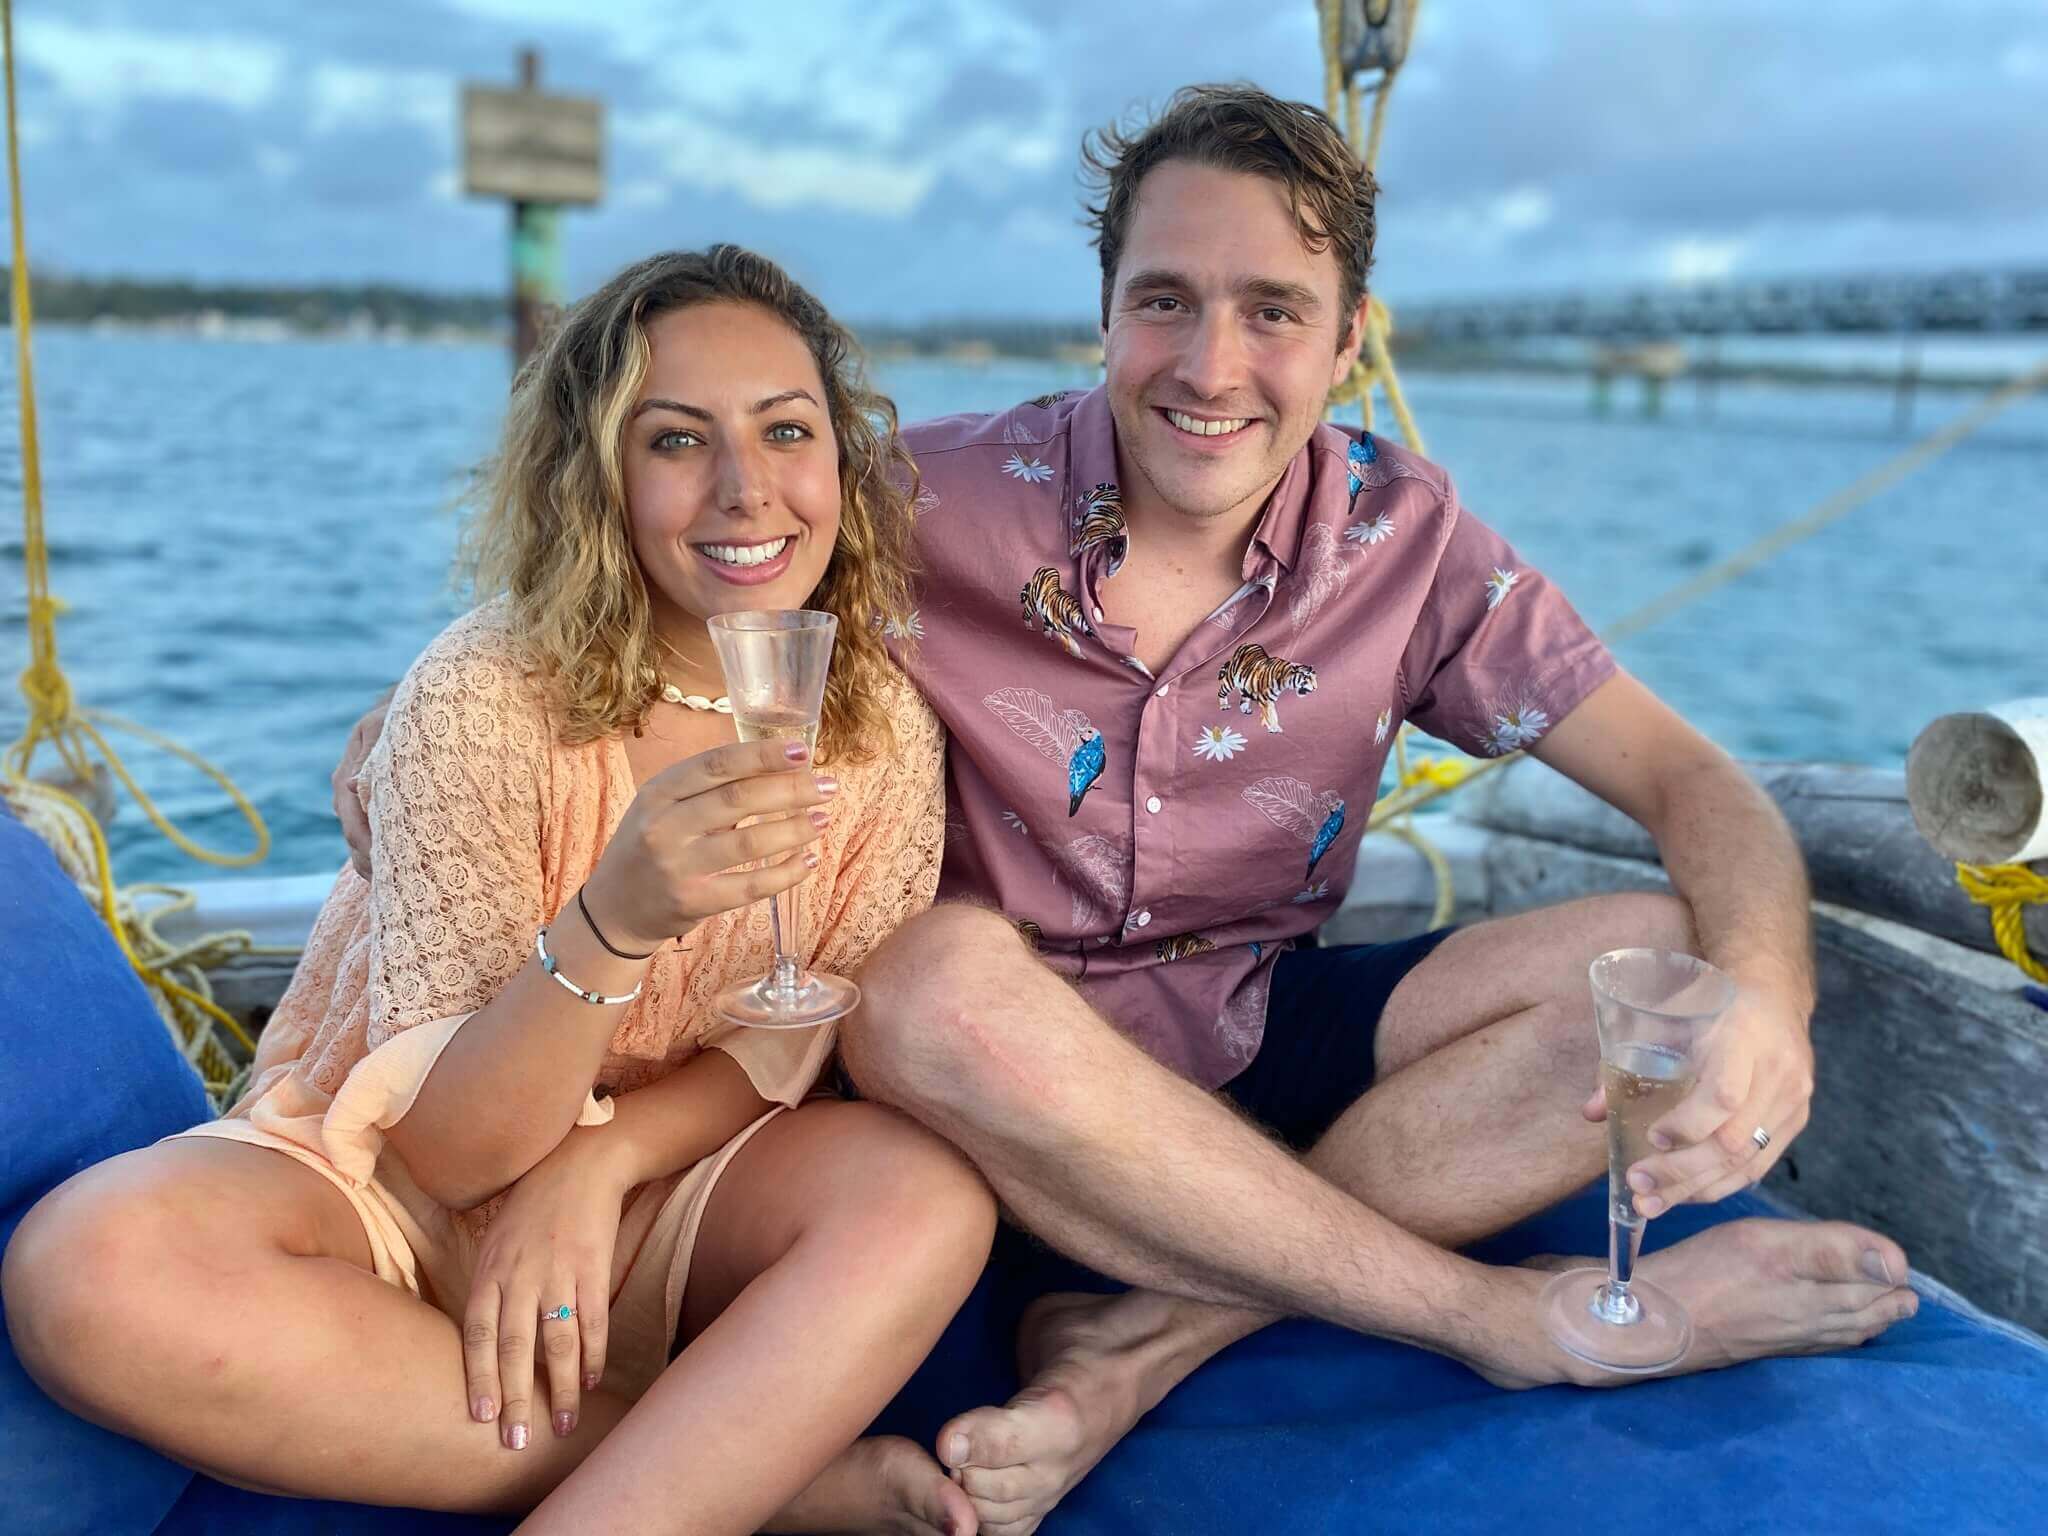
{"x":1875,"y":1267}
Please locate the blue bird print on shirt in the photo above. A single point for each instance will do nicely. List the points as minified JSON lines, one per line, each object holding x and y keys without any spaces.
{"x":1063,"y":736}
{"x":1315,"y":816}
{"x":1325,"y":835}
{"x":1083,"y":769}
{"x":1357,"y":456}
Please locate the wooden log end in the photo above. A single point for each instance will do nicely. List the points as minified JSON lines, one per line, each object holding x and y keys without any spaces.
{"x":1977,"y":784}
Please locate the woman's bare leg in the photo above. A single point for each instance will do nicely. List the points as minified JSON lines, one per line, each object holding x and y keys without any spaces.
{"x":836,"y":1248}
{"x":215,"y":1300}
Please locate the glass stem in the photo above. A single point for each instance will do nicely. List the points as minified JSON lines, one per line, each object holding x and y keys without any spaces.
{"x":1624,"y":1242}
{"x":782,"y":921}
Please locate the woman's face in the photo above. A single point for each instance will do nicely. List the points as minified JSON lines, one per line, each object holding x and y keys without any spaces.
{"x":731,"y":468}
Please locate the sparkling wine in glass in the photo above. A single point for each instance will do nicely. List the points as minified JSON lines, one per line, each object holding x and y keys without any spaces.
{"x":1654,"y":1009}
{"x":775,"y":665}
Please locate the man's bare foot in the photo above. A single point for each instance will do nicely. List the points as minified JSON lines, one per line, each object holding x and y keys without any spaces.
{"x":1092,"y":1367}
{"x":1759,"y":1287}
{"x":882,"y":1484}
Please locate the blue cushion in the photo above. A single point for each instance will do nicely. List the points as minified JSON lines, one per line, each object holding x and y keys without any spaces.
{"x":1939,"y":1424}
{"x":90,"y":1072}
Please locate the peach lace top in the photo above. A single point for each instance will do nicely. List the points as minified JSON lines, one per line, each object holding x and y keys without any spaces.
{"x":483,"y":826}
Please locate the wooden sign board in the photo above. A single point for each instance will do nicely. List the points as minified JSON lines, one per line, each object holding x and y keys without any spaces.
{"x":532,"y":148}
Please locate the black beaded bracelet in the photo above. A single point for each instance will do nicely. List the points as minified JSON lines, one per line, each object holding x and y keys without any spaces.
{"x":598,"y":933}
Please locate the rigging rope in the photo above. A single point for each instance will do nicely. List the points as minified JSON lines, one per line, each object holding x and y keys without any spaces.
{"x":205,"y":1033}
{"x":2005,"y":889}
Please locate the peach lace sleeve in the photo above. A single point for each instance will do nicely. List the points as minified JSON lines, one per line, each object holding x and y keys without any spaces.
{"x":456,"y":791}
{"x":889,"y":872}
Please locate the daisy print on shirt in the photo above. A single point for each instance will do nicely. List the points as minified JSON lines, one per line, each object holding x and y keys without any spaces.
{"x":1499,"y":585}
{"x":1314,"y":817}
{"x":1218,"y":744}
{"x":1063,"y":736}
{"x":1260,"y":678}
{"x":1514,"y":725}
{"x":1376,"y":529}
{"x":1030,"y":471}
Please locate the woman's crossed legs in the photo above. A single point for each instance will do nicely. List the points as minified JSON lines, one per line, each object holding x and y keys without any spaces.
{"x":216,"y":1301}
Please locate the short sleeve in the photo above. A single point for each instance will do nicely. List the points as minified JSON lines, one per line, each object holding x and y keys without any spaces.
{"x":888,"y":872}
{"x":1498,"y":655}
{"x":455,"y":799}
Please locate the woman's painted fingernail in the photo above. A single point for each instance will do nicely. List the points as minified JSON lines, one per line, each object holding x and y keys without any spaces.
{"x":810,"y":859}
{"x":820,"y":820}
{"x":484,"y":1409}
{"x":796,"y":751}
{"x":590,"y":1380}
{"x":564,"y":1424}
{"x":517,"y":1438}
{"x":827,"y":785}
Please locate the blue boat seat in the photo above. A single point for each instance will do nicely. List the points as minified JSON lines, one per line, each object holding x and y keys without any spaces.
{"x":1940,"y":1424}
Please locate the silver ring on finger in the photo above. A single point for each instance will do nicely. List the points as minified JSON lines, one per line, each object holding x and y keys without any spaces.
{"x":560,"y":1314}
{"x":1761,"y":1137}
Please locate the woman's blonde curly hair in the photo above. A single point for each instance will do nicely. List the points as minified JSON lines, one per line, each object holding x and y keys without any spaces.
{"x":552,"y":534}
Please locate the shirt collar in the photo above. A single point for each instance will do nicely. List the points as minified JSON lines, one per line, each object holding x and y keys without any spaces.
{"x":1092,"y":463}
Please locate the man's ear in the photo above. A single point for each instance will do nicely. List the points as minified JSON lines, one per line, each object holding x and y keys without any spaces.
{"x":1354,"y":338}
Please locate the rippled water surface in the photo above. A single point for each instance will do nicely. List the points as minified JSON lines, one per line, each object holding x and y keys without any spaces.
{"x":255,"y":539}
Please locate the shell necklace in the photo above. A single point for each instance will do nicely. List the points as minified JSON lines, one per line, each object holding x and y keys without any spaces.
{"x":671,"y":694}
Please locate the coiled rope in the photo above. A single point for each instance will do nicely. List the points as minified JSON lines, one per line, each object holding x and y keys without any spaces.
{"x":206,"y":1034}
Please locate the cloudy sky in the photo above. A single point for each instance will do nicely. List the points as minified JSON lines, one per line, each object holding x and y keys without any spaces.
{"x":912,"y":158}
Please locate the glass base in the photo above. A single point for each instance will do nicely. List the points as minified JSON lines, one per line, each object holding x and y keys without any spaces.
{"x":817,"y":998}
{"x":1655,"y":1341}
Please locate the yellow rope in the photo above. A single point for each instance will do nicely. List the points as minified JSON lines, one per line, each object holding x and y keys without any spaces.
{"x":71,"y":730}
{"x":209,"y":1037}
{"x":2008,"y":890}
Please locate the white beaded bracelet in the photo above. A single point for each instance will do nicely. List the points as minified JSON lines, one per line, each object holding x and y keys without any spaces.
{"x":547,"y":963}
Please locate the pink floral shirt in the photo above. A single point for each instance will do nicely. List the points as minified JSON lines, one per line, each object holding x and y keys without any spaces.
{"x":1161,"y":838}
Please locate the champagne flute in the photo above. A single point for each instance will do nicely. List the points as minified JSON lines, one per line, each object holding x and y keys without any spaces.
{"x":775,"y":665}
{"x":1655,"y":1009}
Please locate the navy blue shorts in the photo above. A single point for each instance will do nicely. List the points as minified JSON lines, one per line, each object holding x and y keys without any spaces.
{"x":1322,"y":1021}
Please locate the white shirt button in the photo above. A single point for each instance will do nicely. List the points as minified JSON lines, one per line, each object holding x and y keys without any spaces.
{"x":1159,"y":692}
{"x":1152,"y":805}
{"x":1144,"y":918}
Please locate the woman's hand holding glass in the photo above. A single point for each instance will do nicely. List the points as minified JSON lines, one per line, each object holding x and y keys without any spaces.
{"x":681,"y":854}
{"x":544,"y":1274}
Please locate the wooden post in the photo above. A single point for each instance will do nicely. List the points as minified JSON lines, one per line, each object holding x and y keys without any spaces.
{"x":539,"y":153}
{"x":536,"y":251}
{"x":1978,"y":783}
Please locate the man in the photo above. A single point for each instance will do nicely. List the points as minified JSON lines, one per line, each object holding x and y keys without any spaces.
{"x":1172,"y":625}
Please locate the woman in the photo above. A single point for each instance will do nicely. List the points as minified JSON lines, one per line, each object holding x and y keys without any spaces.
{"x":499,"y":1162}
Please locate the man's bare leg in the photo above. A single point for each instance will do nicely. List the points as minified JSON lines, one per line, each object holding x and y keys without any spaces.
{"x":1486,"y":1053}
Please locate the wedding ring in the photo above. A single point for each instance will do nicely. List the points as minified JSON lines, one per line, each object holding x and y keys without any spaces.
{"x":560,"y":1314}
{"x":1761,"y":1137}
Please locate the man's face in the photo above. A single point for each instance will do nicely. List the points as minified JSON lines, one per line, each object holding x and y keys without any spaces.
{"x":1223,"y":339}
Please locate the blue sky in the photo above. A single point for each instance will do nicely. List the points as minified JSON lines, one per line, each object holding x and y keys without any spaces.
{"x":911,"y":158}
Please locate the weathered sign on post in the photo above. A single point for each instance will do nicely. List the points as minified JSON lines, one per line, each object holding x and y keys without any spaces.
{"x":540,"y":153}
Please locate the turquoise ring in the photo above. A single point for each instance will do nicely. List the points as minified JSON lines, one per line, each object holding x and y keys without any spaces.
{"x":560,"y":1314}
